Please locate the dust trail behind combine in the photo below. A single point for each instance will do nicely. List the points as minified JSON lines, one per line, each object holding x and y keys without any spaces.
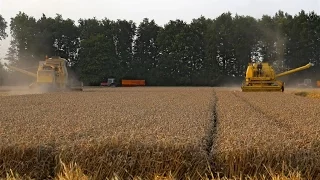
{"x":20,"y":90}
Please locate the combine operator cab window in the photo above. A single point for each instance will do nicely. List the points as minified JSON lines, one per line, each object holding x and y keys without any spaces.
{"x":47,"y":68}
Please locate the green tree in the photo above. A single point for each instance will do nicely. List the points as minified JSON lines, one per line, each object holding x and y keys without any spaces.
{"x":43,"y":38}
{"x":146,"y":51}
{"x":23,"y":31}
{"x":203,"y":52}
{"x":3,"y":35}
{"x":174,"y":43}
{"x":34,"y":39}
{"x":123,"y":36}
{"x":91,"y":39}
{"x":303,"y":44}
{"x":66,"y":39}
{"x":3,"y":27}
{"x":304,"y":39}
{"x":274,"y":40}
{"x":245,"y":40}
{"x":97,"y":56}
{"x":211,"y":65}
{"x":203,"y":66}
{"x":2,"y":74}
{"x":222,"y":38}
{"x":266,"y":27}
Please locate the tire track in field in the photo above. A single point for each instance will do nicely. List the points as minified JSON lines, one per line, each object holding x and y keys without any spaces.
{"x":297,"y":115}
{"x":210,"y":139}
{"x":242,"y":135}
{"x":272,"y":118}
{"x":212,"y":130}
{"x":266,"y":128}
{"x":236,"y":116}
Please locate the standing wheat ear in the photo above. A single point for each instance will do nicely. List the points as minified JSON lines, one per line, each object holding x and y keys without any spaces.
{"x":71,"y":172}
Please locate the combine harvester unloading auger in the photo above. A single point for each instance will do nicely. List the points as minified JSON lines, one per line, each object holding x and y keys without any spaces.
{"x":52,"y":75}
{"x":262,"y":77}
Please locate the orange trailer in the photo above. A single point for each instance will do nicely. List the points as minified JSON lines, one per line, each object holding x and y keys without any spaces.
{"x":125,"y":82}
{"x":318,"y":83}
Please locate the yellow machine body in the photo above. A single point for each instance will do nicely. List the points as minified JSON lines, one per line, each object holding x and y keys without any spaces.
{"x":52,"y":73}
{"x":262,"y":77}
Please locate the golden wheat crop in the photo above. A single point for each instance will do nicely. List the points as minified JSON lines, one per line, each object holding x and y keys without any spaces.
{"x":259,"y":131}
{"x":127,"y":132}
{"x":130,"y":132}
{"x":314,"y":95}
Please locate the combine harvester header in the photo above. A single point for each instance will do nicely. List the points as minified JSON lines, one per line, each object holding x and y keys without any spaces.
{"x":262,"y":77}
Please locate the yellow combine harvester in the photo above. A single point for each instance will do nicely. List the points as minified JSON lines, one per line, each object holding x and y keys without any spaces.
{"x":262,"y":77}
{"x":52,"y":75}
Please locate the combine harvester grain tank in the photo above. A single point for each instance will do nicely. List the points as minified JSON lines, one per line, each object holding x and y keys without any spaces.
{"x":262,"y":77}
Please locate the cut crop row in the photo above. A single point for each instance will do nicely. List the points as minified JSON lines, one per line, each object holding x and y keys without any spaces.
{"x":262,"y":132}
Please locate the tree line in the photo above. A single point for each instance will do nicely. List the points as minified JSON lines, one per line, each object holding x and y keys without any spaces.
{"x":205,"y":52}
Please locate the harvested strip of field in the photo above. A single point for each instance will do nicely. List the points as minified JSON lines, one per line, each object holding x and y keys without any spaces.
{"x":257,"y":129}
{"x":300,"y":115}
{"x":138,"y":132}
{"x":312,"y":94}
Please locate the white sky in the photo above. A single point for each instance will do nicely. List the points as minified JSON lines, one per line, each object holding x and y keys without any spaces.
{"x":160,"y":10}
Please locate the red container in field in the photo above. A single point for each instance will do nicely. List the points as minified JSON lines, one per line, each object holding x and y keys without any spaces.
{"x":125,"y":82}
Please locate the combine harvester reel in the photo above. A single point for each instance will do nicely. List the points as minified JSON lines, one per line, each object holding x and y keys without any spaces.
{"x":261,"y":77}
{"x":51,"y":76}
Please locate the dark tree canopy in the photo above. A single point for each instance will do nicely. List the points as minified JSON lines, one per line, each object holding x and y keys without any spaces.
{"x":3,"y":26}
{"x":3,"y":35}
{"x":204,"y":52}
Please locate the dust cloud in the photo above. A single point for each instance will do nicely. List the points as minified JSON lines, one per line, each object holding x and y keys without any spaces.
{"x":73,"y":78}
{"x":22,"y":90}
{"x":16,"y":83}
{"x":278,"y":50}
{"x":277,"y":60}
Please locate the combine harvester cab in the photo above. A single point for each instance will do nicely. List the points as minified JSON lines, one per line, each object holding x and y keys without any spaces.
{"x":262,"y":77}
{"x":52,"y":75}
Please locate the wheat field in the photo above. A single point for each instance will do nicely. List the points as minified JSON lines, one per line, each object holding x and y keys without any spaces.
{"x":267,"y":130}
{"x":177,"y":132}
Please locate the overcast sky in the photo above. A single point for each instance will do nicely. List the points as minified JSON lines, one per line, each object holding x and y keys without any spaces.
{"x":160,"y":10}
